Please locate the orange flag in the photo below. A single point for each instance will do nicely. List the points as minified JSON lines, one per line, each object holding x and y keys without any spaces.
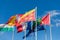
{"x":11,"y":21}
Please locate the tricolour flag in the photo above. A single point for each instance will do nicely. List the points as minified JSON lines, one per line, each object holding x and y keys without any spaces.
{"x":6,"y":27}
{"x":46,"y":19}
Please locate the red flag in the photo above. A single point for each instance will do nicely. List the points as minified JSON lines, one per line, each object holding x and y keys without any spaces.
{"x":19,"y":26}
{"x":46,"y":19}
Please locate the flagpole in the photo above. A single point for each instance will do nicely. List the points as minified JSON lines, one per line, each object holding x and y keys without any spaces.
{"x":31,"y":28}
{"x":50,"y":29}
{"x":50,"y":33}
{"x":13,"y":34}
{"x":45,"y":35}
{"x":36,"y":24}
{"x":25,"y":31}
{"x":25,"y":34}
{"x":45,"y":32}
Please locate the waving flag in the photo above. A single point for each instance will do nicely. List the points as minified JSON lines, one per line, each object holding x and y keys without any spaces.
{"x":32,"y":26}
{"x":46,"y":19}
{"x":28,"y":16}
{"x":29,"y":25}
{"x":11,"y":21}
{"x":18,"y":17}
{"x":6,"y":27}
{"x":18,"y":26}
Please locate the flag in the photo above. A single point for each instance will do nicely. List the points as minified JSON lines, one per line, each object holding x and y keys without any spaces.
{"x":18,"y":17}
{"x":46,"y":19}
{"x":32,"y":24}
{"x":11,"y":21}
{"x":24,"y":26}
{"x":32,"y":27}
{"x":29,"y":25}
{"x":28,"y":16}
{"x":18,"y":26}
{"x":6,"y":27}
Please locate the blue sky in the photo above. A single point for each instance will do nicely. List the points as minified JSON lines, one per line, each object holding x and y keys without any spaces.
{"x":9,"y":8}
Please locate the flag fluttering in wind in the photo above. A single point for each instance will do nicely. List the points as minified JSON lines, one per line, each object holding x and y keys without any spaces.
{"x":6,"y":27}
{"x":28,"y":16}
{"x":32,"y":26}
{"x":11,"y":21}
{"x":18,"y":26}
{"x":18,"y":17}
{"x":46,"y":19}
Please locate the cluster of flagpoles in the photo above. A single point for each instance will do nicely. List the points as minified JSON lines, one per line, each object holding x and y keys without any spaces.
{"x":35,"y":30}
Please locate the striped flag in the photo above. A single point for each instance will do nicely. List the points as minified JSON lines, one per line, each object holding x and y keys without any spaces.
{"x":28,"y":16}
{"x":6,"y":27}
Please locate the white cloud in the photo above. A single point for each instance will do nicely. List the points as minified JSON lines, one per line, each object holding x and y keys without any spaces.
{"x":54,"y":12}
{"x":56,"y":21}
{"x":57,"y":24}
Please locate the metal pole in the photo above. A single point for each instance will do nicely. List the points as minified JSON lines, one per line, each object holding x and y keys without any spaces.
{"x":45,"y":35}
{"x":45,"y":32}
{"x":50,"y":33}
{"x":36,"y":24}
{"x":13,"y":34}
{"x":25,"y":30}
{"x":50,"y":29}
